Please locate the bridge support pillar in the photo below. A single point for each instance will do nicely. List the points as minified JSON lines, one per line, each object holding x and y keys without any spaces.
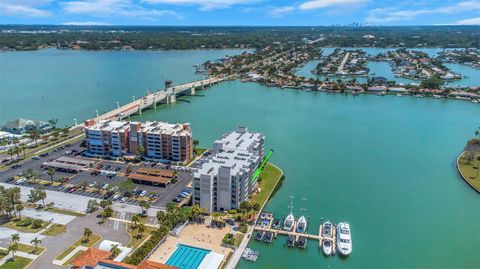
{"x":140,"y":109}
{"x":154,"y":103}
{"x":192,"y":90}
{"x":171,"y":98}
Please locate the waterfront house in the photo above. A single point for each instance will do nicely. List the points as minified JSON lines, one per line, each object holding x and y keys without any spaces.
{"x":23,"y":126}
{"x":377,"y":89}
{"x":464,"y":95}
{"x":397,"y":90}
{"x":378,"y":81}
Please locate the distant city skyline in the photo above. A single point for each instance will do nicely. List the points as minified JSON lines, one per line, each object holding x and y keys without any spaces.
{"x":240,"y":12}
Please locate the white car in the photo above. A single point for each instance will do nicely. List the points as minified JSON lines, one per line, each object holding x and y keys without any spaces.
{"x":124,"y":199}
{"x":21,"y":180}
{"x":116,"y":197}
{"x":143,"y":193}
{"x":91,"y":185}
{"x":105,"y":186}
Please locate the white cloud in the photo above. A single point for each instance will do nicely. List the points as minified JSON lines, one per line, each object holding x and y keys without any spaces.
{"x":386,"y":15}
{"x":281,"y":11}
{"x":119,"y":8}
{"x":204,"y":4}
{"x":28,"y":8}
{"x":472,"y":21}
{"x":317,"y":4}
{"x":82,"y":23}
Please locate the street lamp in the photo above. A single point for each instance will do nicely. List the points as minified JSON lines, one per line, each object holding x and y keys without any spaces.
{"x":118,"y":104}
{"x":133,"y":97}
{"x":96,"y":112}
{"x":75,"y":122}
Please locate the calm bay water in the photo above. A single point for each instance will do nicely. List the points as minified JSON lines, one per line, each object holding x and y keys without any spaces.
{"x":383,"y":69}
{"x":384,"y":164}
{"x":69,"y":84}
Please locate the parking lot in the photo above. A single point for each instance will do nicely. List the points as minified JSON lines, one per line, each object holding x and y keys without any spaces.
{"x":105,"y":180}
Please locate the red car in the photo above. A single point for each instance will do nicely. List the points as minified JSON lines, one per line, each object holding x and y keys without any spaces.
{"x":72,"y":190}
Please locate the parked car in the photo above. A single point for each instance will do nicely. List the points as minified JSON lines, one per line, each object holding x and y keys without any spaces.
{"x":123,"y":199}
{"x":91,"y":185}
{"x":36,"y":158}
{"x":143,"y":193}
{"x":44,"y":154}
{"x":105,"y":186}
{"x":21,"y":180}
{"x":116,"y":197}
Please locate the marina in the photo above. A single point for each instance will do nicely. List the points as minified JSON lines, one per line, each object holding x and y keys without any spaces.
{"x":328,"y":238}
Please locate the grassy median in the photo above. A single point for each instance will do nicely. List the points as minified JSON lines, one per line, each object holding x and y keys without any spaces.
{"x":84,"y":241}
{"x":18,"y":263}
{"x":55,"y":230}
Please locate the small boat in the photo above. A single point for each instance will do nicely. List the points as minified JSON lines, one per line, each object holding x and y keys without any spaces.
{"x":290,"y":241}
{"x":419,"y":96}
{"x":268,"y":237}
{"x":344,"y":238}
{"x":259,"y":235}
{"x":289,"y":222}
{"x":475,"y":101}
{"x":399,"y":95}
{"x":327,"y":247}
{"x":250,"y":254}
{"x":327,"y":229}
{"x":301,"y":225}
{"x":302,"y":242}
{"x":437,"y":96}
{"x":276,"y":224}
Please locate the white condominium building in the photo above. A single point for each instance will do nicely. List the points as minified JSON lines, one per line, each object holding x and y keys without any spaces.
{"x":159,"y":141}
{"x":225,"y":179}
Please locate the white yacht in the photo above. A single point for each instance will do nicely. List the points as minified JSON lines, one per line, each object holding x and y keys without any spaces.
{"x":302,"y":225}
{"x":327,"y":247}
{"x":289,"y":222}
{"x":344,"y":238}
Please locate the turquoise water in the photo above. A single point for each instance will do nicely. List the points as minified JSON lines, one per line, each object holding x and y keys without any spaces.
{"x":187,"y":257}
{"x":70,"y":84}
{"x":384,"y":164}
{"x":383,"y":69}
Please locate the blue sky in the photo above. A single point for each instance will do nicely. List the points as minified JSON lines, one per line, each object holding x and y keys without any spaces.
{"x":239,"y":12}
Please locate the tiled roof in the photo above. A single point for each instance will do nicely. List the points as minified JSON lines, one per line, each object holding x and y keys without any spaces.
{"x":90,"y":258}
{"x":146,"y":264}
{"x":120,"y":264}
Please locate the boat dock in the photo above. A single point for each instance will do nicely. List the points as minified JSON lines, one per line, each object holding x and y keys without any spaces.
{"x":264,"y":226}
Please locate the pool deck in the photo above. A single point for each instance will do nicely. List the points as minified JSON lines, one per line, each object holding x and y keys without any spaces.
{"x":195,"y":235}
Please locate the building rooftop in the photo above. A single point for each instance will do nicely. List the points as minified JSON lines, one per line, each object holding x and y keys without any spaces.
{"x":109,"y":125}
{"x":158,"y":127}
{"x":241,"y":139}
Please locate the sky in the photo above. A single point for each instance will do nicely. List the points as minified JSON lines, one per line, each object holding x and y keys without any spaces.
{"x":240,"y":12}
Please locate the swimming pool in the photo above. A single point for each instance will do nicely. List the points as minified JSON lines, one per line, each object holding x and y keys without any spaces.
{"x":187,"y":257}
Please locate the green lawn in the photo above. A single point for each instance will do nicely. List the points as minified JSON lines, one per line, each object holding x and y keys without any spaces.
{"x":267,"y":180}
{"x":3,"y":253}
{"x":19,"y":263}
{"x":238,"y":239}
{"x":30,"y":249}
{"x":14,"y":224}
{"x":470,"y":171}
{"x":198,"y":151}
{"x":94,"y":238}
{"x":65,"y":212}
{"x":55,"y":230}
{"x":135,"y":239}
{"x":73,"y":257}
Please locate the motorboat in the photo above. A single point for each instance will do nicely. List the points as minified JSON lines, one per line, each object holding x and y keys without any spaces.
{"x":327,"y":229}
{"x":290,"y":241}
{"x":344,"y":238}
{"x":301,"y":225}
{"x":289,"y":222}
{"x":276,"y":224}
{"x":327,"y":247}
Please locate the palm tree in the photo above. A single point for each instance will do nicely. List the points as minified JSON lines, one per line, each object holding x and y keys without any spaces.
{"x":87,"y":232}
{"x":35,"y":242}
{"x":13,"y":248}
{"x":141,"y":229}
{"x":51,"y":172}
{"x":34,"y":135}
{"x":195,"y":143}
{"x":135,"y":219}
{"x":115,"y":250}
{"x":53,"y":123}
{"x":144,"y":205}
{"x":15,"y":238}
{"x":11,"y":152}
{"x":19,"y":208}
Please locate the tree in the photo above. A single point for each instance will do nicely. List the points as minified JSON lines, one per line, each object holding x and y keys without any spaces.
{"x":141,"y":229}
{"x":87,"y":232}
{"x":145,"y":206}
{"x":13,"y":248}
{"x":19,"y":208}
{"x":84,"y":185}
{"x":53,"y":123}
{"x":35,"y":242}
{"x":141,"y":150}
{"x":51,"y":172}
{"x":15,"y":238}
{"x":34,"y":135}
{"x":37,"y":195}
{"x":115,"y":250}
{"x":92,"y":206}
{"x":135,"y":219}
{"x":472,"y":147}
{"x":195,"y":143}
